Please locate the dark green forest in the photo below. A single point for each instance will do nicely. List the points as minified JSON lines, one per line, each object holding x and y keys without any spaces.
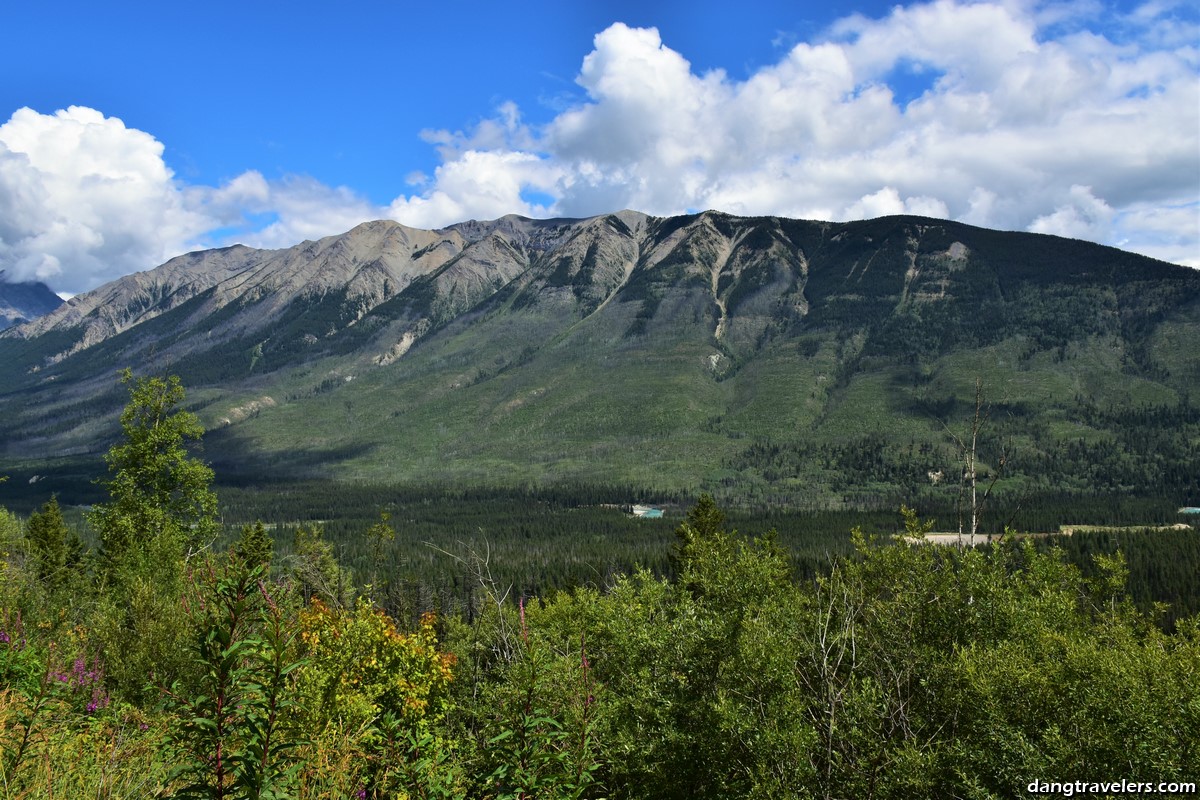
{"x":186,"y":639}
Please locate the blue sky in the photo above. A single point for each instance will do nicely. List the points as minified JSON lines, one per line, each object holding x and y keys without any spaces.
{"x":136,"y":131}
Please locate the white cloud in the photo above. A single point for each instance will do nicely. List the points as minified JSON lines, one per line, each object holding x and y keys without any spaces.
{"x":1062,"y":118}
{"x":1163,"y":231}
{"x":1082,"y":215}
{"x":299,"y":208}
{"x":1034,"y":117}
{"x":504,"y":131}
{"x":887,"y":201}
{"x":83,"y":199}
{"x":479,"y":185}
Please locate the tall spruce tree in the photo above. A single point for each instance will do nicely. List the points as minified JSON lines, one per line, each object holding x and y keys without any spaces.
{"x":255,"y":546}
{"x":53,"y":547}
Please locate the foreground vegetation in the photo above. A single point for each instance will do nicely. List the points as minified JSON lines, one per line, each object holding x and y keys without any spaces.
{"x":156,"y":665}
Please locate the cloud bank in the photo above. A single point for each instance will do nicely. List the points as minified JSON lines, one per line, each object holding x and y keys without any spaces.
{"x":996,"y":114}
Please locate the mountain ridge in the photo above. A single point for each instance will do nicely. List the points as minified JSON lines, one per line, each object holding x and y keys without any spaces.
{"x":519,"y":349}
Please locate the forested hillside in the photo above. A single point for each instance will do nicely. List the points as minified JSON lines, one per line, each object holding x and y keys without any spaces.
{"x":767,"y":361}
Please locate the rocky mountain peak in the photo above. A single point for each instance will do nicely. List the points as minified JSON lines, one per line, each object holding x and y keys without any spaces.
{"x":24,"y":301}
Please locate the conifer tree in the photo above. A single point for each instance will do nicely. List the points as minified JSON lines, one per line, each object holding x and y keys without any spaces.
{"x":705,"y":521}
{"x":255,"y":546}
{"x":53,"y":547}
{"x":316,"y":570}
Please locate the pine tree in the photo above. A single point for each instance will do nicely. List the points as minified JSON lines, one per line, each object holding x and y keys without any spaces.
{"x":704,"y":521}
{"x":255,"y":547}
{"x":317,"y":572}
{"x":53,"y":547}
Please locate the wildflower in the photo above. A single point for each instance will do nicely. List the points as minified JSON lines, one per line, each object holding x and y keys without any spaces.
{"x":266,"y":596}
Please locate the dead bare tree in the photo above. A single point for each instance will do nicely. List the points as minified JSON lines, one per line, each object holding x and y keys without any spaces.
{"x":503,"y":642}
{"x":833,"y":659}
{"x":968,"y":449}
{"x":477,"y":565}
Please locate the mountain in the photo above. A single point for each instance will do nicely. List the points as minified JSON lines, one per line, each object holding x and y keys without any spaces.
{"x":784,"y":359}
{"x":22,"y":302}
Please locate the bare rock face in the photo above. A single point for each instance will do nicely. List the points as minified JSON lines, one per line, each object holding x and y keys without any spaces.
{"x":250,"y":290}
{"x":101,"y":313}
{"x":368,"y":264}
{"x":745,"y":277}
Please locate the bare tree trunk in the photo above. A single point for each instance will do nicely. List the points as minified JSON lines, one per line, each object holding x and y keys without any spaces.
{"x":969,"y":478}
{"x":976,"y":424}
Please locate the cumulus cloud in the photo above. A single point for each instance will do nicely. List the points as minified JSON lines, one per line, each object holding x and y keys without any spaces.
{"x":1034,"y":118}
{"x":1081,"y":216}
{"x":481,"y":185}
{"x":83,"y":198}
{"x":287,"y":210}
{"x":1060,"y":118}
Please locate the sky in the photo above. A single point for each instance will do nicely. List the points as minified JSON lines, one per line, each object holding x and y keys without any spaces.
{"x":131,"y":132}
